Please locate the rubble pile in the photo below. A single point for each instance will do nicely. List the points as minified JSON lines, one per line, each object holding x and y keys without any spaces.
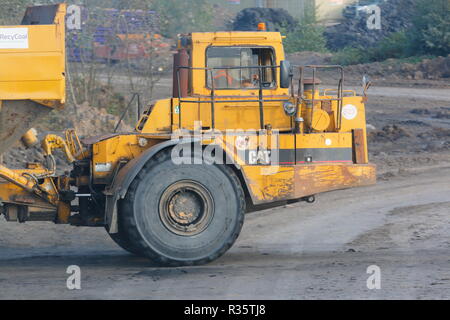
{"x":91,"y":121}
{"x":87,"y":120}
{"x":248,"y":19}
{"x":353,"y":31}
{"x":17,"y":156}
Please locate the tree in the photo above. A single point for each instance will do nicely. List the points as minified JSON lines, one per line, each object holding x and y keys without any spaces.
{"x":179,"y":16}
{"x":431,"y":31}
{"x":307,"y":36}
{"x":12,"y":11}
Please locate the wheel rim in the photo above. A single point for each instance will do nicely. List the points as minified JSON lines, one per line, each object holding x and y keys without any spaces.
{"x":186,"y":208}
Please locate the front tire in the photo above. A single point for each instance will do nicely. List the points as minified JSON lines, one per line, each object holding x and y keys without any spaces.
{"x":186,"y":214}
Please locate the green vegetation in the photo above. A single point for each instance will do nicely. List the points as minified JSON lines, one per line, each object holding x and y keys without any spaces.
{"x":307,"y":36}
{"x":12,"y":11}
{"x":183,"y":16}
{"x":429,"y":37}
{"x":176,"y":16}
{"x":396,"y":45}
{"x":350,"y":56}
{"x":431,"y":27}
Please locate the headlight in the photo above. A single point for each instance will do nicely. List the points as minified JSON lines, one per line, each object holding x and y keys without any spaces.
{"x":289,"y":108}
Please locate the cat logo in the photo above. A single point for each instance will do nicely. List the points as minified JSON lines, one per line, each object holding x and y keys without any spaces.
{"x":259,"y":157}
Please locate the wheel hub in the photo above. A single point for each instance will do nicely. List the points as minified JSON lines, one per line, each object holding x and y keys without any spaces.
{"x":186,"y":208}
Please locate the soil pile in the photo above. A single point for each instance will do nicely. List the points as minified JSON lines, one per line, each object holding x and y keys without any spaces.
{"x":87,"y":120}
{"x":395,"y":16}
{"x":431,"y":69}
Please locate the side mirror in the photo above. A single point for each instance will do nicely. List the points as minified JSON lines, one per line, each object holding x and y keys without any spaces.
{"x":285,"y":74}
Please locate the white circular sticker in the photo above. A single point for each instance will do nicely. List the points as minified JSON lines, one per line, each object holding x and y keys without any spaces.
{"x":349,"y":112}
{"x":241,"y":142}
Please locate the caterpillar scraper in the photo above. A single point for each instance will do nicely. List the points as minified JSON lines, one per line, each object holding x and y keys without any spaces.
{"x":238,"y":134}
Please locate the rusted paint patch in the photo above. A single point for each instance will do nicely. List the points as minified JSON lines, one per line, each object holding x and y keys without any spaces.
{"x":269,"y":184}
{"x":10,"y":193}
{"x":294,"y":182}
{"x":313,"y":179}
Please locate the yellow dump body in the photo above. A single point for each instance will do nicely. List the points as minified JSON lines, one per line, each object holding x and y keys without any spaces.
{"x":32,"y":70}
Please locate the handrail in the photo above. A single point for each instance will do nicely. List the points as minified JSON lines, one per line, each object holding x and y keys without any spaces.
{"x":340,"y":91}
{"x":213,"y":100}
{"x":122,"y":116}
{"x":299,"y":100}
{"x":325,"y":92}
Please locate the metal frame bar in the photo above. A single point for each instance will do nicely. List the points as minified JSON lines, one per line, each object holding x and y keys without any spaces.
{"x":213,"y":99}
{"x":299,"y":101}
{"x":340,"y":91}
{"x":135,"y":94}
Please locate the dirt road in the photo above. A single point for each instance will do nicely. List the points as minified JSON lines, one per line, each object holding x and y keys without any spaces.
{"x":301,"y":251}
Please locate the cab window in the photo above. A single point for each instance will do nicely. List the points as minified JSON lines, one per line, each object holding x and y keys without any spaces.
{"x":238,"y":68}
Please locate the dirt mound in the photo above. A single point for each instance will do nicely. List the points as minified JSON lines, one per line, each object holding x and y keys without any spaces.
{"x":248,"y":19}
{"x":395,"y":16}
{"x":388,"y":133}
{"x":430,"y":69}
{"x":87,"y":120}
{"x":91,"y":121}
{"x":18,"y":155}
{"x":435,"y":68}
{"x":309,"y":58}
{"x":418,"y":69}
{"x":442,"y":113}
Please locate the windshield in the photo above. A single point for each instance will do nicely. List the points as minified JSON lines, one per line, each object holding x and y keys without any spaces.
{"x":238,"y":67}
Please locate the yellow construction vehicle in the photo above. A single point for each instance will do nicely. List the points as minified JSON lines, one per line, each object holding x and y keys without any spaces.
{"x":238,"y":134}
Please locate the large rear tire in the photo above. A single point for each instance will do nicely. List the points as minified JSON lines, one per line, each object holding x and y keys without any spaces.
{"x":122,"y":241}
{"x":185,"y":214}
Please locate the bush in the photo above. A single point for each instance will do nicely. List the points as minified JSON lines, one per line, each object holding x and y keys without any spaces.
{"x":429,"y":36}
{"x":12,"y":11}
{"x":307,"y":35}
{"x":305,"y":38}
{"x":396,"y":46}
{"x":179,"y":16}
{"x":349,"y":56}
{"x":431,"y":31}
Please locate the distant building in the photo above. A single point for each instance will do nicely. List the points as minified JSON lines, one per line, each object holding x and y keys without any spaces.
{"x":328,"y":11}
